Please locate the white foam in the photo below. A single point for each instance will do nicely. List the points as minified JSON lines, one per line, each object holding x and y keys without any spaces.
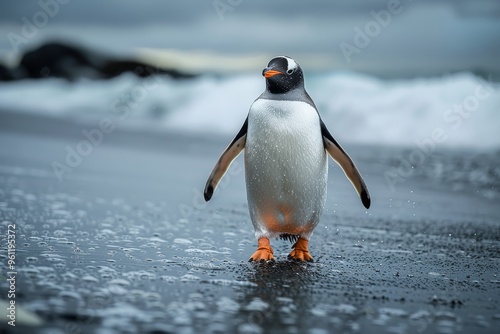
{"x":355,"y":108}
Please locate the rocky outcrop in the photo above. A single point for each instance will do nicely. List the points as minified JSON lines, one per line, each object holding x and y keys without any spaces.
{"x":70,"y":62}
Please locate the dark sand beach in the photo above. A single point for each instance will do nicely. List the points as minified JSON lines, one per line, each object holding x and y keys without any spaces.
{"x":126,"y":244}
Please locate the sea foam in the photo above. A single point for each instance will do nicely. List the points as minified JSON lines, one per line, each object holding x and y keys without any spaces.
{"x":356,"y":108}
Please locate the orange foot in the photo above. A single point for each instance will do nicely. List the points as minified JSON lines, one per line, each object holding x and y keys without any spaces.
{"x":264,"y":251}
{"x":300,"y":251}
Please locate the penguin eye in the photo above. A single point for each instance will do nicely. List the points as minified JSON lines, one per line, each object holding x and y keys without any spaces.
{"x":290,"y":71}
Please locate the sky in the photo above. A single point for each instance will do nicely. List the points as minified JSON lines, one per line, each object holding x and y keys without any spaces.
{"x":385,"y":37}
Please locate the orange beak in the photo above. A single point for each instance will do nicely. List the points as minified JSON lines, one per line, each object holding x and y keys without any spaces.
{"x":271,"y":73}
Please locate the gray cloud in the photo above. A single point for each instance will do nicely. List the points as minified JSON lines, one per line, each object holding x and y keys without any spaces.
{"x":426,"y":35}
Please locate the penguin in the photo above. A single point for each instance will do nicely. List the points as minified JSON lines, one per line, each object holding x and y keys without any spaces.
{"x":286,"y":144}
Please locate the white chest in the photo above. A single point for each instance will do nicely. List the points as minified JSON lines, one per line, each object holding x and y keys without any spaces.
{"x":285,"y":162}
{"x":288,"y":125}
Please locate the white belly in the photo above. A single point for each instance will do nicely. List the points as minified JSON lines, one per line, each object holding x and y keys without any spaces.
{"x":286,"y":168}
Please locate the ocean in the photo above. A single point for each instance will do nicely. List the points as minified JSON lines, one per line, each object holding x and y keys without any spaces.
{"x":454,"y":111}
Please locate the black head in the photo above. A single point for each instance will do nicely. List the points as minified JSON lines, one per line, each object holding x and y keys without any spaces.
{"x":282,"y":75}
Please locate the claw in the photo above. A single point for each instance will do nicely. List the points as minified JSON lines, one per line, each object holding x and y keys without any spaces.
{"x":300,"y":251}
{"x":264,"y":251}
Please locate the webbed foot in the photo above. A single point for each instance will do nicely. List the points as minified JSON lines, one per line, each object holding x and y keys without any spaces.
{"x":300,"y":251}
{"x":264,"y":251}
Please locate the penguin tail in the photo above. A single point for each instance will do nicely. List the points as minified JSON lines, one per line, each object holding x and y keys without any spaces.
{"x":290,"y":237}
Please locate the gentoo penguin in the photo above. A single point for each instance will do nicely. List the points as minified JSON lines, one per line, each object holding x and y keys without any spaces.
{"x":286,"y":170}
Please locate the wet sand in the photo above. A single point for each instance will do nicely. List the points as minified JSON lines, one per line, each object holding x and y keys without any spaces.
{"x":126,"y":244}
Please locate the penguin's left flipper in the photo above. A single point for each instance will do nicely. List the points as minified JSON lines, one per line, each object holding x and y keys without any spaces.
{"x":230,"y":153}
{"x":347,"y":165}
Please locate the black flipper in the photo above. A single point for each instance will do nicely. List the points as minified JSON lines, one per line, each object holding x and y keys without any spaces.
{"x":345,"y":162}
{"x":230,"y":153}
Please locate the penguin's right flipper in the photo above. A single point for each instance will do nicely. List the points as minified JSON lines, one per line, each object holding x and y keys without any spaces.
{"x":344,"y":161}
{"x":225,"y":160}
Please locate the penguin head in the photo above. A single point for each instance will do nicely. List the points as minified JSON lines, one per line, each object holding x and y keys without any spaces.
{"x":283,"y":74}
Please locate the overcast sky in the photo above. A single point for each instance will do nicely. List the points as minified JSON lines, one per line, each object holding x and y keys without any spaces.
{"x":418,"y":36}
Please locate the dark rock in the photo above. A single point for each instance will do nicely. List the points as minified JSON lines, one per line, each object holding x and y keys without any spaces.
{"x":71,"y":62}
{"x":58,"y":60}
{"x":117,"y":67}
{"x":5,"y":73}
